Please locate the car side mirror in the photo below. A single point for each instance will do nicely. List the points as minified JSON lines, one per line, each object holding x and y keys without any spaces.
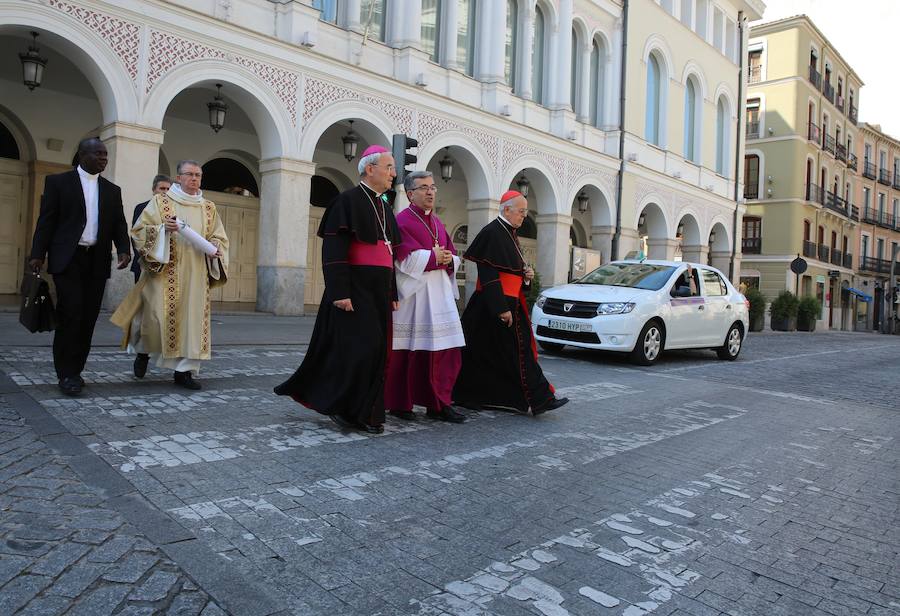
{"x":681,"y":291}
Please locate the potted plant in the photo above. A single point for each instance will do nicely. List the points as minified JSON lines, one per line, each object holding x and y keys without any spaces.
{"x":784,"y":312}
{"x":757,"y":309}
{"x":808,"y":310}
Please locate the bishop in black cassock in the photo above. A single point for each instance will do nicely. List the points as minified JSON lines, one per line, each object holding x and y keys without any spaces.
{"x":343,"y":373}
{"x":499,"y":363}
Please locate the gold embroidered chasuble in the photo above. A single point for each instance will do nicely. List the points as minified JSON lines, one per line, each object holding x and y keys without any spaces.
{"x":175,"y":295}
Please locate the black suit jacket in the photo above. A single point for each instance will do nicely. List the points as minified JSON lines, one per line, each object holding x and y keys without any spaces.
{"x":136,"y":261}
{"x":63,"y":217}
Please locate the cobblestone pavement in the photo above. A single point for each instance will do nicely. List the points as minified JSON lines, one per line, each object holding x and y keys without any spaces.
{"x":769,"y":485}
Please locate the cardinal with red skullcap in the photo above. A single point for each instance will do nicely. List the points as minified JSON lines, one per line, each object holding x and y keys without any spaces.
{"x":499,"y":362}
{"x":345,"y":367}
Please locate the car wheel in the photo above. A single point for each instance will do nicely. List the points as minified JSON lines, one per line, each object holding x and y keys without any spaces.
{"x":551,"y":347}
{"x":649,"y":344}
{"x":733,"y":342}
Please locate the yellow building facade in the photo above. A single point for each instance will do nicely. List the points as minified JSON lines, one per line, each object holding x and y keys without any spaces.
{"x":801,"y":172}
{"x":878,"y":195}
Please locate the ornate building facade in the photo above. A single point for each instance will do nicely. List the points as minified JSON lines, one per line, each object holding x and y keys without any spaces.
{"x":304,"y":80}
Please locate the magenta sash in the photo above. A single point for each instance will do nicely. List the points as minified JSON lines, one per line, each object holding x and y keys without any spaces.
{"x":378,"y":255}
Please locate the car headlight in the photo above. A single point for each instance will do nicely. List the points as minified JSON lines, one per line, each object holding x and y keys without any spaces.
{"x":615,"y":308}
{"x":541,"y":300}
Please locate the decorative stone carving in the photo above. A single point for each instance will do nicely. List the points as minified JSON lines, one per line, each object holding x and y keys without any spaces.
{"x":515,"y":150}
{"x":400,"y":114}
{"x":283,"y":83}
{"x":430,"y":126}
{"x":318,"y":94}
{"x":123,"y":37}
{"x":642,"y":189}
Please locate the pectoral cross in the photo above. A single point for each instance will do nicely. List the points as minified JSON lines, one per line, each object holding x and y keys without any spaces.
{"x":388,"y":244}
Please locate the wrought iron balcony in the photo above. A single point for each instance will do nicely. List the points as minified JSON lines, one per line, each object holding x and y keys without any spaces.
{"x":815,"y":193}
{"x":835,"y":203}
{"x":829,"y":144}
{"x":854,"y":213}
{"x":753,"y":130}
{"x":839,"y":103}
{"x":848,"y":261}
{"x":754,"y":74}
{"x":852,"y":113}
{"x":870,"y":216}
{"x":886,"y":220}
{"x":869,"y":170}
{"x":813,"y":134}
{"x":828,"y":91}
{"x":874,"y":264}
{"x":852,"y":161}
{"x":884,"y":177}
{"x":751,"y":191}
{"x":823,"y":253}
{"x":840,"y":151}
{"x":751,"y":245}
{"x":809,"y":249}
{"x":837,"y":257}
{"x":815,"y":77}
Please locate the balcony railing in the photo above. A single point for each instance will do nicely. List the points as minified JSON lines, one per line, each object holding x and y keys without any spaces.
{"x":848,"y":261}
{"x":870,"y":216}
{"x":809,"y":249}
{"x":852,"y":113}
{"x":815,"y":193}
{"x":884,"y":177}
{"x":835,"y":203}
{"x":754,"y":74}
{"x":751,"y":245}
{"x":751,"y":191}
{"x":854,"y":213}
{"x":852,"y":161}
{"x":823,"y":253}
{"x":753,"y":130}
{"x":840,"y":151}
{"x":886,"y":220}
{"x":829,"y":144}
{"x":839,"y":103}
{"x":869,"y":170}
{"x":828,"y":91}
{"x":896,"y":180}
{"x":815,"y":77}
{"x":837,"y":257}
{"x":813,"y":134}
{"x":874,"y":264}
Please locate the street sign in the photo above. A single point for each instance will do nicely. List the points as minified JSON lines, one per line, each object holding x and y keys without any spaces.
{"x":798,"y":265}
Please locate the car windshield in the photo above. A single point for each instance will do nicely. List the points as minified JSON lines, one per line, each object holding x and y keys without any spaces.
{"x":635,"y":275}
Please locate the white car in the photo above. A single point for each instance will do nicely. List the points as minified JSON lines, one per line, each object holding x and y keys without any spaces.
{"x":643,"y":308}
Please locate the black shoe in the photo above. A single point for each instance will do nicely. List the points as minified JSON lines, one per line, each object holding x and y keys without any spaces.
{"x":407,"y":415}
{"x":70,"y":386}
{"x":371,"y":429}
{"x":140,"y":365}
{"x":553,"y":403}
{"x":344,"y":424}
{"x":186,"y":380}
{"x":80,"y":380}
{"x":448,"y":413}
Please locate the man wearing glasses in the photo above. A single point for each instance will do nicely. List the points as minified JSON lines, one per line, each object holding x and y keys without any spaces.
{"x":499,"y":367}
{"x":427,"y":332}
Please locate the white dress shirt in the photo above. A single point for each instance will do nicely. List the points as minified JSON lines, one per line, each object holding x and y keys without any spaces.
{"x":89,"y":186}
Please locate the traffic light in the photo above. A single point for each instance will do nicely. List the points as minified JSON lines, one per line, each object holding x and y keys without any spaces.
{"x":403,"y":160}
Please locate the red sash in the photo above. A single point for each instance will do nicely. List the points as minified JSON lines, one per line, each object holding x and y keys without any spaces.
{"x":378,"y":255}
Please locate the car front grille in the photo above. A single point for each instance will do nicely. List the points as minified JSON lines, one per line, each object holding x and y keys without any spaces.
{"x":558,"y":334}
{"x":579,"y":310}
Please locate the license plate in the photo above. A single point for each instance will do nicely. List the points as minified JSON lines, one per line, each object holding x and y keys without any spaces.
{"x":569,"y":326}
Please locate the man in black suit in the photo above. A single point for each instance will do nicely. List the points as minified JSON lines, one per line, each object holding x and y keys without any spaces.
{"x":81,"y":217}
{"x":161,"y":183}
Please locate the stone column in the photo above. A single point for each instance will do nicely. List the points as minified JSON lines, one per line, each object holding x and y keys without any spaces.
{"x":526,"y":34}
{"x":491,"y":20}
{"x":448,"y":37}
{"x":583,"y":113}
{"x":720,"y":260}
{"x":629,"y":240}
{"x":612,"y":81}
{"x":480,"y":213}
{"x":283,"y":233}
{"x":553,"y":248}
{"x":405,"y":19}
{"x":133,"y":161}
{"x":561,"y":59}
{"x":663,"y":249}
{"x":696,"y":253}
{"x":601,"y":239}
{"x":351,"y":16}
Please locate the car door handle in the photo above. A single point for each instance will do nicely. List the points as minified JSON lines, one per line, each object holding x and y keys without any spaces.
{"x":727,"y":306}
{"x":699,"y":307}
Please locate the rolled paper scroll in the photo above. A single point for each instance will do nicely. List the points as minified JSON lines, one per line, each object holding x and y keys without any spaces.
{"x":196,"y":240}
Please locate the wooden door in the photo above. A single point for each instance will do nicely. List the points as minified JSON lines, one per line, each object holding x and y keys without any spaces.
{"x":315,"y":279}
{"x":12,"y":238}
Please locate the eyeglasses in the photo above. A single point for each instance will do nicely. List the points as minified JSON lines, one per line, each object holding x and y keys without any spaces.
{"x":192,"y":175}
{"x":523,"y":212}
{"x":429,"y":188}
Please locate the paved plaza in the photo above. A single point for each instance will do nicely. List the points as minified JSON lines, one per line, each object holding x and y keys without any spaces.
{"x":769,"y":485}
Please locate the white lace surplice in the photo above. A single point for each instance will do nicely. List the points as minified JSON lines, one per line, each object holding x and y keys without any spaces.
{"x":427,"y":319}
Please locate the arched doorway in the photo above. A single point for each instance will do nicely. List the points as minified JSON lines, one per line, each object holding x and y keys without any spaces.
{"x":591,"y":230}
{"x":690,"y":247}
{"x":653,"y":233}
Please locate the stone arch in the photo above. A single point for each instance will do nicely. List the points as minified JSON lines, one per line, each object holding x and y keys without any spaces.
{"x":541,"y":180}
{"x":266,"y":111}
{"x":103,"y":68}
{"x":20,"y":134}
{"x":723,"y":238}
{"x":691,"y":228}
{"x":469,"y":153}
{"x":722,"y":90}
{"x":657,"y":223}
{"x":601,"y":207}
{"x":656,"y":43}
{"x":550,"y":14}
{"x":337,"y":177}
{"x":694,"y":69}
{"x":383,"y":127}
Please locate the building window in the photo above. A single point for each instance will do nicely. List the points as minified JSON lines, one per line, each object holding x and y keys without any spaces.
{"x":575,"y":67}
{"x":867,"y":196}
{"x":895,"y":209}
{"x":537,"y":57}
{"x":881,"y":207}
{"x":328,"y":10}
{"x":466,"y":35}
{"x":879,"y":248}
{"x":654,"y":95}
{"x":372,"y":17}
{"x":751,"y":232}
{"x":807,"y":230}
{"x":687,"y":16}
{"x":431,"y":28}
{"x":691,"y":107}
{"x":722,"y":115}
{"x":753,"y":118}
{"x":512,"y":38}
{"x":751,"y":176}
{"x":754,"y":66}
{"x":867,"y":154}
{"x":864,"y":246}
{"x":598,"y":74}
{"x":702,"y":22}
